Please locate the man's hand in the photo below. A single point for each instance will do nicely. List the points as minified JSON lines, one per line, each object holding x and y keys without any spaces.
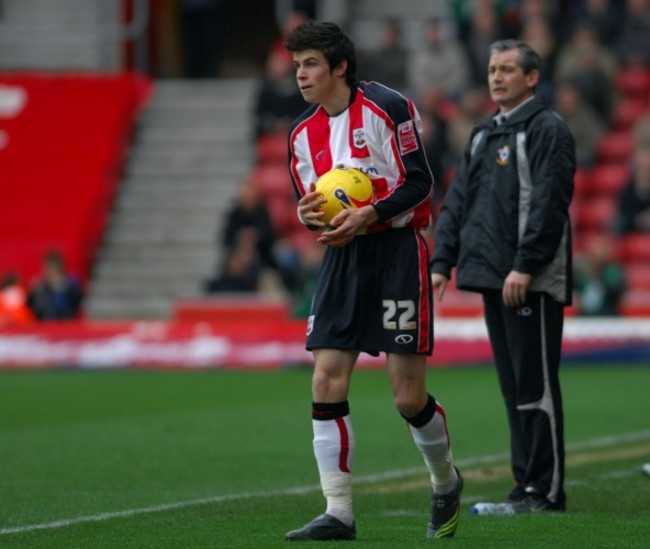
{"x":439,"y":282}
{"x":309,"y":207}
{"x":515,"y":287}
{"x":348,"y":224}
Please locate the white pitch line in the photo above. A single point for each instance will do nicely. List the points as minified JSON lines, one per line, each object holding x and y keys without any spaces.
{"x":365,"y":479}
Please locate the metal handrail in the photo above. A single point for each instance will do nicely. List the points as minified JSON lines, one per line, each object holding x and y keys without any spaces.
{"x":135,"y":31}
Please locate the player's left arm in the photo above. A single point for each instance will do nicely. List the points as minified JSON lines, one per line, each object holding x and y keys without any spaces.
{"x":404,"y":151}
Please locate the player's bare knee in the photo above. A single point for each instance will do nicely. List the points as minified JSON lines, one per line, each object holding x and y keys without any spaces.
{"x":408,"y":405}
{"x":329,"y":388}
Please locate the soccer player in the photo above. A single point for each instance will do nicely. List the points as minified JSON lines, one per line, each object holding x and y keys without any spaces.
{"x":505,"y":227}
{"x":374,"y":289}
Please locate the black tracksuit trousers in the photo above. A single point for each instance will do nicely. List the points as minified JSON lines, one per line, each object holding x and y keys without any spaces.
{"x":526,"y":343}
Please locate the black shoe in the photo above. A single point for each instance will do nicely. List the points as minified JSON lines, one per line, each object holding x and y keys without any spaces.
{"x":533,"y":501}
{"x":517,"y":494}
{"x":444,"y":512}
{"x":323,"y":528}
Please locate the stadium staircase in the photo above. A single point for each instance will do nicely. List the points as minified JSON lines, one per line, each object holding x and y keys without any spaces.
{"x":190,"y":152}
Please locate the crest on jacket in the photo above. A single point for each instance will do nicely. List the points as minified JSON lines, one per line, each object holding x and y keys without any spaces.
{"x":503,"y":155}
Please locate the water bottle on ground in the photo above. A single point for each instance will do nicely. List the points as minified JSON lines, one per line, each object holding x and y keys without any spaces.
{"x":492,"y":509}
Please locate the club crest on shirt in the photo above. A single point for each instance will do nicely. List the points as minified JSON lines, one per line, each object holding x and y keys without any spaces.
{"x":359,"y":138}
{"x":503,"y":156}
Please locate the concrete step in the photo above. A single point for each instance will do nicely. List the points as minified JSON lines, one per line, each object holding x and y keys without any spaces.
{"x":191,"y":151}
{"x":136,"y":283}
{"x":140,"y":270}
{"x":190,"y":157}
{"x":62,"y":12}
{"x":190,"y":136}
{"x":178,"y":200}
{"x":222,"y":119}
{"x":232,"y":168}
{"x":117,"y":236}
{"x":161,"y":254}
{"x":117,"y":308}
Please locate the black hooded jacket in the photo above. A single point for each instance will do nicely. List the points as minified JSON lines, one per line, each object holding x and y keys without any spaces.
{"x":507,"y":208}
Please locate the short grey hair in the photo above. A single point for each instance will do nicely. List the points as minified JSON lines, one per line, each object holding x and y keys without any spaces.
{"x":529,"y":59}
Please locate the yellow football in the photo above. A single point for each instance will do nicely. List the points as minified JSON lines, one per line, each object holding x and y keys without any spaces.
{"x":344,"y":188}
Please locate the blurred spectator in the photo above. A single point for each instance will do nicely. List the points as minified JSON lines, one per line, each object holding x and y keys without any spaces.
{"x":277,"y":260}
{"x":634,"y":201}
{"x":587,"y":128}
{"x":604,"y":16}
{"x":388,"y":63}
{"x":472,"y":108}
{"x":599,"y":280}
{"x":13,"y":302}
{"x":515,"y":15}
{"x":633,"y":43}
{"x":538,"y":33}
{"x":278,"y":99}
{"x":311,"y":258}
{"x":434,"y":138}
{"x":240,"y":271}
{"x":641,"y":131}
{"x":479,"y":27}
{"x":441,"y":62}
{"x":294,"y":18}
{"x":250,"y":212}
{"x":591,"y":66}
{"x":57,"y":294}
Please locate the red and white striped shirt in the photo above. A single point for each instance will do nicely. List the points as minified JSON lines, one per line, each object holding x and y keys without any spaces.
{"x":379,"y":134}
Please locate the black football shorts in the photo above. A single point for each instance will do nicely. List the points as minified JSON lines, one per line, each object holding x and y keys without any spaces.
{"x":374,"y":295}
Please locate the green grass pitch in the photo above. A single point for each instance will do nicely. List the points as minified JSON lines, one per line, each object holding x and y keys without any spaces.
{"x":212,"y":458}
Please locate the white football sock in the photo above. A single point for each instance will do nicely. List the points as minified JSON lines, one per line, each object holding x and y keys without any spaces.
{"x":433,"y":442}
{"x":334,"y":448}
{"x":337,"y":489}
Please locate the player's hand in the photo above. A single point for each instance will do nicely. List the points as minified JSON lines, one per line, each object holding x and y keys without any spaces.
{"x":309,"y":207}
{"x":515,"y":288}
{"x":439,"y":282}
{"x":348,"y":224}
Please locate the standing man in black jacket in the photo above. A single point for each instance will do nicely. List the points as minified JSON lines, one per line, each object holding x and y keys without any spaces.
{"x":505,"y":227}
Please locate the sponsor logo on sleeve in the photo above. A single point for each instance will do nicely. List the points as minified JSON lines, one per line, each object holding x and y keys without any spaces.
{"x":407,"y":140}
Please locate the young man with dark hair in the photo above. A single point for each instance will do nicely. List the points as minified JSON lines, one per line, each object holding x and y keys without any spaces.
{"x":505,"y":227}
{"x":374,"y":289}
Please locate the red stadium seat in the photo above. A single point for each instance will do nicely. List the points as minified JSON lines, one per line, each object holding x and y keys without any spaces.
{"x":274,"y":180}
{"x":615,"y":147}
{"x":595,"y":214}
{"x":272,"y":149}
{"x":636,"y":303}
{"x":633,"y":82}
{"x":283,"y":215}
{"x":635,"y":247}
{"x":581,"y":183}
{"x":60,"y":167}
{"x":608,"y":180}
{"x":637,"y":274}
{"x":627,"y":112}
